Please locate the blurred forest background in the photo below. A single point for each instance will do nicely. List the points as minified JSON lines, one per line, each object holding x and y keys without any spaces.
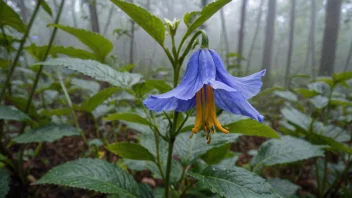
{"x":312,"y":37}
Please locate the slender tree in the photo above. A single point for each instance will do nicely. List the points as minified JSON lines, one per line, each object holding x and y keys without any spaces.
{"x":312,"y":36}
{"x":94,"y":16}
{"x":24,"y":11}
{"x":290,"y":42}
{"x":256,"y":31}
{"x":132,"y":31}
{"x":241,"y":30}
{"x":269,"y":39}
{"x":348,"y":60}
{"x":73,"y":11}
{"x":111,"y":12}
{"x":332,"y":21}
{"x":224,"y":33}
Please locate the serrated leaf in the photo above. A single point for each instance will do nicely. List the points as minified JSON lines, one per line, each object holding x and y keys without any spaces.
{"x":92,"y":174}
{"x":46,"y":7}
{"x":47,"y":133}
{"x":4,"y":183}
{"x":96,"y":100}
{"x":283,"y":187}
{"x":7,"y":113}
{"x":56,"y":112}
{"x":149,"y":22}
{"x":130,"y":151}
{"x":96,"y":70}
{"x":286,"y":150}
{"x":8,"y":17}
{"x":234,"y":183}
{"x":130,"y":117}
{"x":100,"y":45}
{"x":191,"y":149}
{"x":208,"y":11}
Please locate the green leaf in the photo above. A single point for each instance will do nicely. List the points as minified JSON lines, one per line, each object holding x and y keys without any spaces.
{"x":340,"y":102}
{"x":127,"y":68}
{"x":319,"y":101}
{"x":190,"y":17}
{"x":234,"y":183}
{"x":96,"y":100}
{"x":332,"y":131}
{"x":150,"y":23}
{"x":4,"y":183}
{"x":46,"y":7}
{"x":96,"y":70}
{"x":73,"y":52}
{"x":147,"y":86}
{"x":341,"y":77}
{"x":324,"y":140}
{"x":306,"y":92}
{"x":7,"y":113}
{"x":96,"y":42}
{"x":8,"y":17}
{"x":286,"y":150}
{"x":283,"y":187}
{"x":205,"y":14}
{"x":21,"y":103}
{"x":252,"y":127}
{"x":130,"y":117}
{"x":57,"y":112}
{"x":92,"y":174}
{"x":216,"y":155}
{"x":130,"y":151}
{"x":190,"y":150}
{"x":48,"y":133}
{"x":286,"y":95}
{"x":296,"y":117}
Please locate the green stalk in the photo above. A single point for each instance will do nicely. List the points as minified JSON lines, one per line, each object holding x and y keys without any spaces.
{"x":18,"y":54}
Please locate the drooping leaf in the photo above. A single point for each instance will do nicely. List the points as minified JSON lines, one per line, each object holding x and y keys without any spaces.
{"x":92,"y":174}
{"x":150,"y":23}
{"x":283,"y":187}
{"x":336,"y":133}
{"x":205,"y":14}
{"x":8,"y":17}
{"x":286,"y":150}
{"x":234,"y":183}
{"x":96,"y":42}
{"x":130,"y":117}
{"x":4,"y":183}
{"x":190,"y":17}
{"x":7,"y":113}
{"x":130,"y":151}
{"x":94,"y":101}
{"x":340,"y":102}
{"x":46,"y":7}
{"x":96,"y":70}
{"x":47,"y":133}
{"x":191,"y":149}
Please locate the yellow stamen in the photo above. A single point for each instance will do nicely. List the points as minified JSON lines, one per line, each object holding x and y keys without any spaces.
{"x":206,"y":113}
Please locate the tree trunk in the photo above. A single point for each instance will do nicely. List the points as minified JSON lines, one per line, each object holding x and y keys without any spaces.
{"x":290,"y":43}
{"x":348,"y":60}
{"x":332,"y":20}
{"x":256,"y":31}
{"x":94,"y":16}
{"x":111,"y":12}
{"x":241,"y":30}
{"x":74,"y":17}
{"x":269,"y":39}
{"x":224,"y":33}
{"x":24,"y":11}
{"x":132,"y":40}
{"x":312,"y":37}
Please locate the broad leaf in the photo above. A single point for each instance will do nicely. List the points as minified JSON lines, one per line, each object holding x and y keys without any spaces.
{"x":48,"y":133}
{"x":4,"y":183}
{"x":92,"y":174}
{"x":130,"y":117}
{"x":234,"y":183}
{"x":46,"y":7}
{"x":21,"y":103}
{"x":150,"y":23}
{"x":286,"y":150}
{"x":325,"y":140}
{"x":340,"y":77}
{"x":216,"y":155}
{"x":283,"y":187}
{"x":96,"y":42}
{"x":56,"y":112}
{"x":286,"y":95}
{"x":319,"y":101}
{"x":7,"y":113}
{"x":10,"y":18}
{"x":96,"y":70}
{"x":296,"y":117}
{"x":93,"y":102}
{"x":130,"y":151}
{"x":336,"y":133}
{"x":191,"y":149}
{"x":149,"y":85}
{"x":306,"y":92}
{"x":205,"y":14}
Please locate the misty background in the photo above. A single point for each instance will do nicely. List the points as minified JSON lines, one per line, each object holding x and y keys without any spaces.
{"x":278,"y":35}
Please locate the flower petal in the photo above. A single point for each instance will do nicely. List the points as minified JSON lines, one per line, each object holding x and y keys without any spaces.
{"x":166,"y":104}
{"x":249,"y":86}
{"x":232,"y":102}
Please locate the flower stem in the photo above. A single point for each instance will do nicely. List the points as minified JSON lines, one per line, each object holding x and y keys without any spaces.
{"x":18,"y":54}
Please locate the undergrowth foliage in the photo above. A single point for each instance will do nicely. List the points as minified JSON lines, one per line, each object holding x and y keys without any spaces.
{"x":309,"y":123}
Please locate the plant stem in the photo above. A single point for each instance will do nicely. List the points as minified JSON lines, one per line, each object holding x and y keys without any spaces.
{"x":18,"y":54}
